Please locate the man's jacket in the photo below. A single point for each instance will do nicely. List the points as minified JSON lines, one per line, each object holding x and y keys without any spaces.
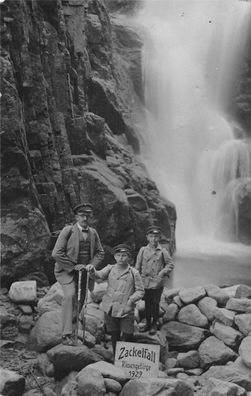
{"x":66,"y":252}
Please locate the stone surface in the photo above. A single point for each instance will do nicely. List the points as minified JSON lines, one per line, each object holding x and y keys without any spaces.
{"x":11,"y":383}
{"x":150,"y":386}
{"x":245,"y":351}
{"x":98,"y":292}
{"x":188,"y":360}
{"x":227,"y":334}
{"x":222,"y":388}
{"x":191,"y":295}
{"x":183,"y":336}
{"x":52,"y":300}
{"x":218,"y":294}
{"x":21,"y":292}
{"x":230,"y":374}
{"x":69,"y":358}
{"x":239,"y":304}
{"x":112,"y":386}
{"x":190,"y":314}
{"x":47,"y":331}
{"x":170,"y":313}
{"x":243,"y":291}
{"x":207,"y":306}
{"x":225,"y":316}
{"x":110,"y":371}
{"x":243,"y":322}
{"x":213,"y":351}
{"x":8,"y":324}
{"x":90,"y":382}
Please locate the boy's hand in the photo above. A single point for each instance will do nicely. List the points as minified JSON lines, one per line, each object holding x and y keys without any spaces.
{"x":127,"y":309}
{"x":79,"y":267}
{"x":164,"y":272}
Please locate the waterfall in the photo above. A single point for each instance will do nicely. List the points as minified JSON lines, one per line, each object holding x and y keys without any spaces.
{"x":193,"y":51}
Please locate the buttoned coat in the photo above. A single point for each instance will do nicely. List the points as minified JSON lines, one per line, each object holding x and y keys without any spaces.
{"x":124,"y":288}
{"x":66,"y":252}
{"x":150,"y":262}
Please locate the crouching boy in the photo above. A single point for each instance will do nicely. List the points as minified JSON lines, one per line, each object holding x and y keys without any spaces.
{"x":125,"y":288}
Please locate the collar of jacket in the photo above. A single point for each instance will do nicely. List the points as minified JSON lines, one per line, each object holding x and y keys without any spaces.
{"x":81,"y":228}
{"x":158,"y":247}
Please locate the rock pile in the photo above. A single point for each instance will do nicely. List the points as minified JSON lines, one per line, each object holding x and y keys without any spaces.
{"x":204,"y":337}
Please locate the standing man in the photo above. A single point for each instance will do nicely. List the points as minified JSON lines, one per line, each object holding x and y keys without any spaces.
{"x":153,"y":263}
{"x":77,"y":246}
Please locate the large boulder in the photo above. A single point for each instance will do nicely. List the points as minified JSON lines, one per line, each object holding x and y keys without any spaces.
{"x":23,"y":292}
{"x":222,"y":388}
{"x":108,"y":370}
{"x":243,"y":322}
{"x":218,"y":294}
{"x":225,"y":316}
{"x":188,"y":360}
{"x":190,"y":314}
{"x":213,"y":351}
{"x":90,"y":382}
{"x":227,"y":334}
{"x":229,"y":373}
{"x":182,"y":336}
{"x":241,"y":305}
{"x":47,"y":331}
{"x":191,"y":295}
{"x":207,"y":306}
{"x":52,"y":301}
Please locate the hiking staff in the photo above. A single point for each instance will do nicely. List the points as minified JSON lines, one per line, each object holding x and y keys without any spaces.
{"x":78,"y":306}
{"x":85,"y":305}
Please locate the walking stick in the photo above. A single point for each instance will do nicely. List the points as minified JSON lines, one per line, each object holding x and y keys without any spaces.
{"x":78,"y":306}
{"x":85,"y":305}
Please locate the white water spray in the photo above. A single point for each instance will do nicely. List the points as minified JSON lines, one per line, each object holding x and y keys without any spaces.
{"x":192,"y":54}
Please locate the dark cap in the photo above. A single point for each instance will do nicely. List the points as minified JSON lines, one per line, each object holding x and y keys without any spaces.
{"x":83,"y":208}
{"x":153,"y":230}
{"x":121,"y":249}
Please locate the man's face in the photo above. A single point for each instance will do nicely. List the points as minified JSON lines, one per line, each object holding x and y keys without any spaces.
{"x":153,"y":239}
{"x":121,"y":258}
{"x":83,"y":218}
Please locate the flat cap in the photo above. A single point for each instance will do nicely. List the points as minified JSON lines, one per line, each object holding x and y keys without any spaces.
{"x":153,"y":230}
{"x":122,"y":248}
{"x":83,"y":208}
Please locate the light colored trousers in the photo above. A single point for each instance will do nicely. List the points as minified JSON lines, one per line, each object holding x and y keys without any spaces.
{"x":67,"y":307}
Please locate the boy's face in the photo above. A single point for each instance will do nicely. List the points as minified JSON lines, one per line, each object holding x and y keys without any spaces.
{"x":121,"y":258}
{"x":153,"y":239}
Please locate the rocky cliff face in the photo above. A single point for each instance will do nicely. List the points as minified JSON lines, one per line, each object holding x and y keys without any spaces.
{"x":71,"y":96}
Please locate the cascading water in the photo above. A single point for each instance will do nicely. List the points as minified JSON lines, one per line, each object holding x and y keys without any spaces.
{"x":193,"y":50}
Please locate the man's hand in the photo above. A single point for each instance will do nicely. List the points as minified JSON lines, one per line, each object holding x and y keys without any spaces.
{"x":90,"y":268}
{"x":79,"y":267}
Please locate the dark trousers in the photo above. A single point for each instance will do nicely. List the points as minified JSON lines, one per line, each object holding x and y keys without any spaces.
{"x":152,"y":299}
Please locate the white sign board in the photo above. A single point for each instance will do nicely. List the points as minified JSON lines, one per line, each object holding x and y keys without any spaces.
{"x":137,"y":360}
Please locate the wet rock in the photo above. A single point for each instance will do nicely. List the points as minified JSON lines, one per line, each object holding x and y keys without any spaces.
{"x":207,"y":306}
{"x":150,"y":386}
{"x":243,"y":322}
{"x":190,"y":314}
{"x":239,"y":304}
{"x":222,"y":388}
{"x":11,"y":383}
{"x":69,"y":358}
{"x":23,"y":291}
{"x":218,"y":294}
{"x":182,"y":336}
{"x":47,"y":331}
{"x":90,"y":382}
{"x":225,"y":316}
{"x":213,"y":351}
{"x":227,"y":334}
{"x":191,"y":295}
{"x":245,"y":351}
{"x":189,"y":360}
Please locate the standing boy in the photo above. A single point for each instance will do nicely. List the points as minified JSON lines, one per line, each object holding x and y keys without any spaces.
{"x":76,"y":247}
{"x":153,"y":263}
{"x":124,"y":289}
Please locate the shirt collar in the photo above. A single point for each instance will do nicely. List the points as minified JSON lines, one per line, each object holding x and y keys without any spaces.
{"x":157,"y":248}
{"x":81,"y":228}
